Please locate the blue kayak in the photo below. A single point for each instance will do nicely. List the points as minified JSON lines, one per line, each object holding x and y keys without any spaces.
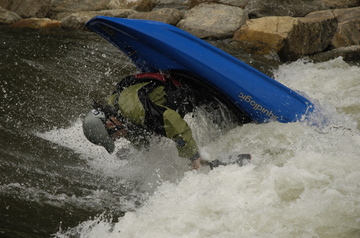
{"x":156,"y":46}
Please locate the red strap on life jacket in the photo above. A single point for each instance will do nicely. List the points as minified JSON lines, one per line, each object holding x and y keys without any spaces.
{"x":158,"y":76}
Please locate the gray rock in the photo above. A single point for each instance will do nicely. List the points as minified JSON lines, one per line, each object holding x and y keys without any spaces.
{"x":313,"y":35}
{"x":293,"y":8}
{"x":213,"y":20}
{"x":77,"y":20}
{"x":27,"y":8}
{"x":235,"y":3}
{"x":8,"y":17}
{"x":167,"y":15}
{"x":78,"y":5}
{"x":348,"y":32}
{"x":289,"y":37}
{"x":349,"y":53}
{"x":342,"y":3}
{"x":176,"y":4}
{"x":139,"y":5}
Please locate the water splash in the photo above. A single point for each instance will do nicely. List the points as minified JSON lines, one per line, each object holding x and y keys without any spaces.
{"x":302,"y":181}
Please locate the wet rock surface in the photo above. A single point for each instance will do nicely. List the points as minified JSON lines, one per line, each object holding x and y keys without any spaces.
{"x":288,"y":29}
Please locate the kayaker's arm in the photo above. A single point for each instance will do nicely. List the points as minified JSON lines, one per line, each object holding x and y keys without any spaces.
{"x":179,"y":131}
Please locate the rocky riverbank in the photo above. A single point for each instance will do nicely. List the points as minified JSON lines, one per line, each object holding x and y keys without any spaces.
{"x":319,"y":29}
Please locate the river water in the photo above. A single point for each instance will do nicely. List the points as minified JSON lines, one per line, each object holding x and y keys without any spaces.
{"x":303,"y":181}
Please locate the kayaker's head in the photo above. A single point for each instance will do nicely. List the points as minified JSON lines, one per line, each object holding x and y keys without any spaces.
{"x":103,"y":129}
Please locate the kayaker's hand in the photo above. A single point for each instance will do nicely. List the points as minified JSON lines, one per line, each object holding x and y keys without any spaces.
{"x":196,"y":163}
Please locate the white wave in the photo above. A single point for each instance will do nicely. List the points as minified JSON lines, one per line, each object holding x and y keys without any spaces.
{"x":335,"y":84}
{"x":148,"y":167}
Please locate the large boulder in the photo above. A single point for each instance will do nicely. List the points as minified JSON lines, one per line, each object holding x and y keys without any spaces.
{"x":235,"y":3}
{"x":176,"y":4}
{"x":294,"y":8}
{"x":263,"y":35}
{"x":57,"y":6}
{"x":213,"y":20}
{"x":349,"y":53}
{"x":312,"y":35}
{"x":77,"y":20}
{"x":348,"y":30}
{"x":138,"y":5}
{"x":37,"y":23}
{"x":27,"y":8}
{"x":8,"y":17}
{"x":342,"y":3}
{"x":289,"y":37}
{"x":167,"y":15}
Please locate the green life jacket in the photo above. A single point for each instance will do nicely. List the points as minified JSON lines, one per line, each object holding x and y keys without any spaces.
{"x":179,"y":97}
{"x":157,"y":103}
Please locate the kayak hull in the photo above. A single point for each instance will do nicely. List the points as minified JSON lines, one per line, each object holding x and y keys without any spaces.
{"x":155,"y":46}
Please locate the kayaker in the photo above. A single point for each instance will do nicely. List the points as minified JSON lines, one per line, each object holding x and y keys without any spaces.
{"x":141,"y":104}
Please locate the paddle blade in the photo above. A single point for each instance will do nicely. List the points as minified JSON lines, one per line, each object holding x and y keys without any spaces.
{"x":240,"y":160}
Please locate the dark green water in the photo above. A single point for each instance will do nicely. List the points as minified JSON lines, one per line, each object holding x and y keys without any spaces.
{"x":48,"y":79}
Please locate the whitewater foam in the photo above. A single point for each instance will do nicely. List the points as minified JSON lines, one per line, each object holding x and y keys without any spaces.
{"x":302,"y":181}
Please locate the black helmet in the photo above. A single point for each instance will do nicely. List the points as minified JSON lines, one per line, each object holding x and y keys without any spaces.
{"x":95,"y":130}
